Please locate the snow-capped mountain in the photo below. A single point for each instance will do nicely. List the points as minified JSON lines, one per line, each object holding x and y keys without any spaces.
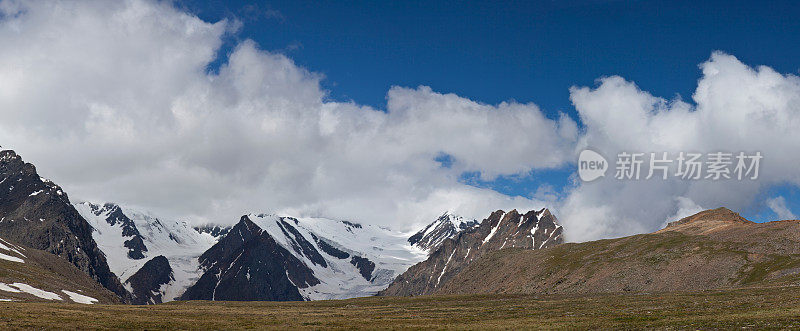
{"x":131,"y":239}
{"x":36,"y":213}
{"x":531,"y":230}
{"x":144,"y":259}
{"x":270,"y":257}
{"x":446,"y":226}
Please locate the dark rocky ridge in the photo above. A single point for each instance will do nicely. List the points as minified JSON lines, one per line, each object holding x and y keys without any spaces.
{"x":364,"y":265}
{"x":215,"y":231}
{"x":300,"y":244}
{"x":146,"y":282}
{"x":37,"y":213}
{"x":329,"y":249}
{"x":532,"y":230}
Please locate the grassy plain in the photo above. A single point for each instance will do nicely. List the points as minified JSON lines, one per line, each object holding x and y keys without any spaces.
{"x":757,"y":308}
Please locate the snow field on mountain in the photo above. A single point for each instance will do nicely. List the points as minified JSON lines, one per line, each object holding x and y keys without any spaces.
{"x":389,"y":250}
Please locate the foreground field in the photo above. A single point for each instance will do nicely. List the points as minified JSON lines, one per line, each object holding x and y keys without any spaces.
{"x":748,"y":308}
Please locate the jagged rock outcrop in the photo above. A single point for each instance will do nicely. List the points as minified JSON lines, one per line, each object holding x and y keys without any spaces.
{"x":532,"y":230}
{"x":446,"y":226}
{"x":37,"y":213}
{"x":146,"y":284}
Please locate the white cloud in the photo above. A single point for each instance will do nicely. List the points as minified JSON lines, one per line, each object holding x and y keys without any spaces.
{"x":737,"y":108}
{"x":113,"y":101}
{"x":778,"y":206}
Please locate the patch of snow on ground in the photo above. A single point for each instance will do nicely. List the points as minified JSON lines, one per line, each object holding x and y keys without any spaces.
{"x":5,"y":245}
{"x":34,"y":291}
{"x":80,"y":298}
{"x":7,"y":288}
{"x":11,"y":258}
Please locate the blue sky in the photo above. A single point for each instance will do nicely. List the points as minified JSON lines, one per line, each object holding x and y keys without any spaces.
{"x":527,"y":51}
{"x":145,"y":107}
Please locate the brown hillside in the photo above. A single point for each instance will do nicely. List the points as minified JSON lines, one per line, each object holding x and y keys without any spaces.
{"x":47,"y":272}
{"x":710,"y":250}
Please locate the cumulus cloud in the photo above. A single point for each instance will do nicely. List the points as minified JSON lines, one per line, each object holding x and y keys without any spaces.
{"x":778,"y":206}
{"x":113,"y":100}
{"x":737,"y":108}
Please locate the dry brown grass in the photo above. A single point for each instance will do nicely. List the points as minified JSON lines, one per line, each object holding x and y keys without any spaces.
{"x":749,"y":308}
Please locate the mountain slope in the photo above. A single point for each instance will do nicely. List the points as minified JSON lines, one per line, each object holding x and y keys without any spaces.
{"x":37,"y":213}
{"x":710,"y":250}
{"x":269,"y":257}
{"x":532,"y":230}
{"x":176,"y":243}
{"x":28,"y":274}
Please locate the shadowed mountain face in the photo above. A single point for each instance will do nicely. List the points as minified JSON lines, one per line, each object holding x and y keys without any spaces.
{"x":35,"y":212}
{"x":532,"y":230}
{"x":247,"y":265}
{"x":146,"y":283}
{"x":710,"y":250}
{"x":282,"y":258}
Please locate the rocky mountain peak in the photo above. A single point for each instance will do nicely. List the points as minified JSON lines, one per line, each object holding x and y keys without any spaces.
{"x":444,"y":227}
{"x":36,"y":212}
{"x":532,"y":230}
{"x":249,"y":264}
{"x":114,"y":216}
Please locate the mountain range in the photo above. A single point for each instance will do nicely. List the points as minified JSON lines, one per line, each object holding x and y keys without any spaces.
{"x":54,"y":250}
{"x":146,"y":259}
